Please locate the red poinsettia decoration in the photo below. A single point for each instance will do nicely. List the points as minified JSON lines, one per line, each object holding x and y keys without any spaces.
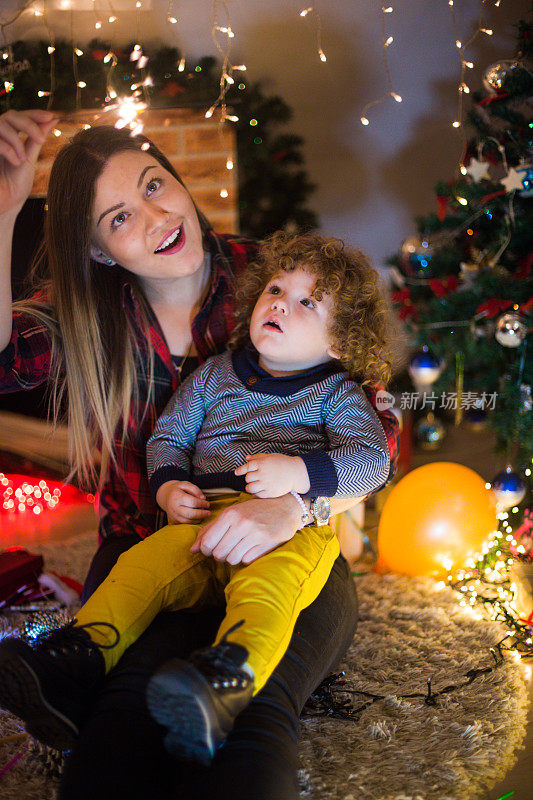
{"x":403,"y":299}
{"x":442,"y":207}
{"x":443,"y":288}
{"x":493,"y":306}
{"x":527,"y":307}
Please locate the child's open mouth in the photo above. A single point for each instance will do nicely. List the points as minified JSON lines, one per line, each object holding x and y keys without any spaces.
{"x":173,"y":242}
{"x":271,"y":323}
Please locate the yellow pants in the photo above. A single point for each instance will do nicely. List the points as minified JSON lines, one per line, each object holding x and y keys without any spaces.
{"x":161,"y":574}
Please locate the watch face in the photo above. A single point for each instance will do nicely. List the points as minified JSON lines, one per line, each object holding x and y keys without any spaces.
{"x":321,"y":508}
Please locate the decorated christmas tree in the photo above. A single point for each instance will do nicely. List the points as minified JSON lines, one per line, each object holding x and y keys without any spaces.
{"x":464,"y":285}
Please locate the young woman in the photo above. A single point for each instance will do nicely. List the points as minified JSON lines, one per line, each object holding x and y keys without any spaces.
{"x":138,"y":292}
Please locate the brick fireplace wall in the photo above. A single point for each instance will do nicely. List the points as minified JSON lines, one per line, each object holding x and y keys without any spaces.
{"x":197,"y":148}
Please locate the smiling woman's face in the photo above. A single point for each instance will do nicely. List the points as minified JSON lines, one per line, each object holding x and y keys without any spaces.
{"x":144,"y":219}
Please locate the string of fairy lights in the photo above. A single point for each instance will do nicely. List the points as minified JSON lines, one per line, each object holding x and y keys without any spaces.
{"x":223,"y":34}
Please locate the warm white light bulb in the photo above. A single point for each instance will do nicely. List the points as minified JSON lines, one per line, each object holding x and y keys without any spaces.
{"x":112,"y":19}
{"x":97,"y":25}
{"x":462,"y":201}
{"x":389,"y":41}
{"x":397,"y":97}
{"x":172,"y":20}
{"x":82,"y":84}
{"x":458,"y":43}
{"x":57,"y":132}
{"x":232,"y":118}
{"x":456,"y":124}
{"x":223,"y":192}
{"x":488,"y":31}
{"x":305,"y":12}
{"x":229,"y":164}
{"x":322,"y":55}
{"x":51,"y":49}
{"x":79,"y":52}
{"x":365,"y":121}
{"x":181,"y":65}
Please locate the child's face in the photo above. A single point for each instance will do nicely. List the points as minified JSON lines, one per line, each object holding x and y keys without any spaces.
{"x":289,"y":328}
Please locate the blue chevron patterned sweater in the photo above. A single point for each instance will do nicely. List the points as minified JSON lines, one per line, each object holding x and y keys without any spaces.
{"x":230,"y":408}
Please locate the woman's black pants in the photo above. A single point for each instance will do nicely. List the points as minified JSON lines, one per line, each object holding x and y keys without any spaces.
{"x":120,"y":754}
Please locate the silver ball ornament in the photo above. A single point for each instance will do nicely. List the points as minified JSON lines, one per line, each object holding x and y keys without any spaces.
{"x":496,"y":75}
{"x":508,"y":488}
{"x":510,"y":330}
{"x":425,"y":367}
{"x":430,"y":432}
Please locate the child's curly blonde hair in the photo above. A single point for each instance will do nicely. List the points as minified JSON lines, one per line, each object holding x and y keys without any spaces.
{"x":358,"y":327}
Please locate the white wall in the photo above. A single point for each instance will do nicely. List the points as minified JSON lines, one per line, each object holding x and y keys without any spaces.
{"x":371,"y":180}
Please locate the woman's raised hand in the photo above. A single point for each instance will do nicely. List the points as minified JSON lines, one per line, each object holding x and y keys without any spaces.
{"x":18,"y":157}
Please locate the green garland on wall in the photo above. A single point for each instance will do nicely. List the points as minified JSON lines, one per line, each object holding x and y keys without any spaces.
{"x":273,"y":183}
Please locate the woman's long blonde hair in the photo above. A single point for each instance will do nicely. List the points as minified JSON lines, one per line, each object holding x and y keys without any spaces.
{"x":96,"y":361}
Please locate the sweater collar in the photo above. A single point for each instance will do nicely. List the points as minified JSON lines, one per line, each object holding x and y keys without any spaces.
{"x":256,"y":379}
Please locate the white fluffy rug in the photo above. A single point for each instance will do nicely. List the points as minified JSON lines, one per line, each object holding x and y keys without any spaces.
{"x":397,"y":749}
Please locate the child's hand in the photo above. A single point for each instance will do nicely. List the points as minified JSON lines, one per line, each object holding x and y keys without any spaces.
{"x":273,"y":475}
{"x":182,"y":501}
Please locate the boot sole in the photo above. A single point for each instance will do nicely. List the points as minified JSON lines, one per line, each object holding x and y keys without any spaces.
{"x":178,"y":697}
{"x":21,"y":694}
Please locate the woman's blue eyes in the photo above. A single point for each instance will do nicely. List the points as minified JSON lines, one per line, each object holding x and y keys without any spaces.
{"x":151,"y":187}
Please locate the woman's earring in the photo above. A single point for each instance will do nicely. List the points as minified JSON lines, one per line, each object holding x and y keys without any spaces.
{"x":110,"y":261}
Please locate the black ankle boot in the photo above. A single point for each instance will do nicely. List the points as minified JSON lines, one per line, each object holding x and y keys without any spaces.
{"x":198,"y":700}
{"x":49,"y":684}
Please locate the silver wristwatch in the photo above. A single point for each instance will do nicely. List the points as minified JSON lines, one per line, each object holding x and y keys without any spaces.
{"x":321,"y":510}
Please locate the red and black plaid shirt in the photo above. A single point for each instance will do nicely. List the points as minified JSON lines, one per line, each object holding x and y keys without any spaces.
{"x":126,"y":504}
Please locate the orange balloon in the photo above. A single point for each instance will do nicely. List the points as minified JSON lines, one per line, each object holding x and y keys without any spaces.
{"x":435,"y":518}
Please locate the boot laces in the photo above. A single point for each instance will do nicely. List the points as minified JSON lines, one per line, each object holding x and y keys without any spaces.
{"x":222,"y":664}
{"x":73,"y":638}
